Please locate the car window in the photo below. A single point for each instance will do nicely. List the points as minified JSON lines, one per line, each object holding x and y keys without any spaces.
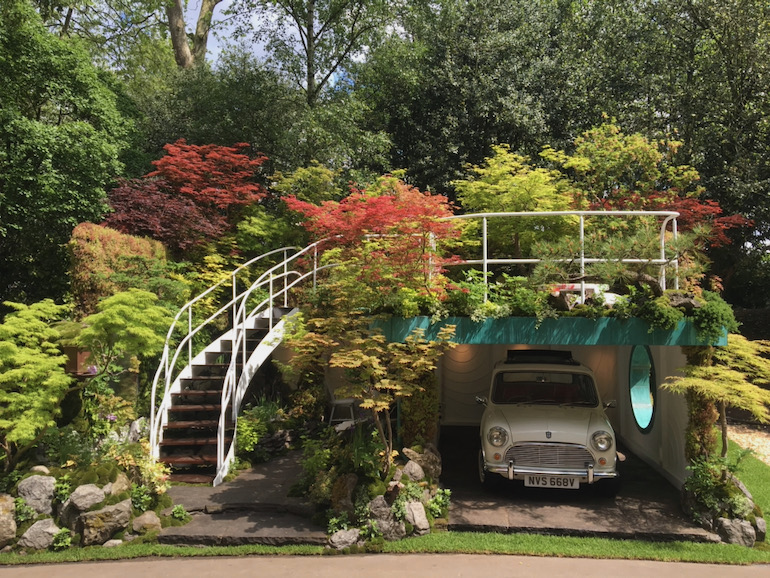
{"x":544,"y":388}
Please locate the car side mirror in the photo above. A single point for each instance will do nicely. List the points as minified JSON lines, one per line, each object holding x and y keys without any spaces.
{"x":481,"y":400}
{"x":611,"y":404}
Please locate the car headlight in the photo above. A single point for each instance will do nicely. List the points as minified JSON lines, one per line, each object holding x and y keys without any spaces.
{"x":601,"y":440}
{"x":497,"y":436}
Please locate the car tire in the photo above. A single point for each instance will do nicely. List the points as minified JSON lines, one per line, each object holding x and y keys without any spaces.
{"x":488,"y":480}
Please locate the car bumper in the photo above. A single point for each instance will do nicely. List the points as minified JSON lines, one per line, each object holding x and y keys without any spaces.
{"x":588,"y":475}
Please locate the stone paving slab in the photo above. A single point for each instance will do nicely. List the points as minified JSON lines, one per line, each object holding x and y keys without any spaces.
{"x":236,"y":528}
{"x":645,"y":507}
{"x":615,"y":521}
{"x":255,"y":507}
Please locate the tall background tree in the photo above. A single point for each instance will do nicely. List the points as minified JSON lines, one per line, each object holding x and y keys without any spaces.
{"x":60,"y":138}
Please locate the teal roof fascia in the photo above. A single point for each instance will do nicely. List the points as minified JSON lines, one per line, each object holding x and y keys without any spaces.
{"x":561,"y":331}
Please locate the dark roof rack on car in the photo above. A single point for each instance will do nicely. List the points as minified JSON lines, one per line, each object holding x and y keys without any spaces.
{"x":540,"y":356}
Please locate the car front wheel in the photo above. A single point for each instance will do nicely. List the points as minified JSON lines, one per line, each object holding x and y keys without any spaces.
{"x":487,"y":480}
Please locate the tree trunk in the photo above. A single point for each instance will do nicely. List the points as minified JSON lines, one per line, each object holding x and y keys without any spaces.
{"x":202,"y":29}
{"x":310,"y":64}
{"x":176,"y":26}
{"x":723,"y":425}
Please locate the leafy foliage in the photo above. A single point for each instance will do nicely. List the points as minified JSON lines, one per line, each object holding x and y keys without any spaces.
{"x":508,"y":182}
{"x":62,"y":540}
{"x":254,"y":423}
{"x":105,"y":262}
{"x":126,"y":327}
{"x":708,"y":492}
{"x":198,"y":189}
{"x":32,"y":378}
{"x":141,"y":497}
{"x":23,"y":512}
{"x":438,"y":505}
{"x":60,"y":138}
{"x":178,"y":512}
{"x":314,"y":40}
{"x":392,"y":234}
{"x":734,"y":376}
{"x":420,"y":414}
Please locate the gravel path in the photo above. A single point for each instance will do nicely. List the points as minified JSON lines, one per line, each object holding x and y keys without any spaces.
{"x":756,"y":438}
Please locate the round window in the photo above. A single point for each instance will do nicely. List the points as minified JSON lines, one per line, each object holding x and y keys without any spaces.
{"x":642,"y":387}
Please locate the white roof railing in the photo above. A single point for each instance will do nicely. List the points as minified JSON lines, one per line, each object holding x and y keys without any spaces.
{"x":668,"y":217}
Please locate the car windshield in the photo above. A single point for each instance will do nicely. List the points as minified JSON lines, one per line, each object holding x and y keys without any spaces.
{"x":545,"y":387}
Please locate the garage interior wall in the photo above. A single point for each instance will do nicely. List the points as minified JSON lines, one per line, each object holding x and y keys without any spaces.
{"x":466,"y":371}
{"x":662,"y":446}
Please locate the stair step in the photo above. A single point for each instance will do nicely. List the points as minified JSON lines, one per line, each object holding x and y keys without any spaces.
{"x":195,"y":407}
{"x":196,"y":424}
{"x":192,"y":442}
{"x":191,"y":478}
{"x":188,"y":460}
{"x":197,"y":393}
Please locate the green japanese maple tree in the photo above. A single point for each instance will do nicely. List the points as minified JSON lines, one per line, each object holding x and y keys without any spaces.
{"x":32,"y":377}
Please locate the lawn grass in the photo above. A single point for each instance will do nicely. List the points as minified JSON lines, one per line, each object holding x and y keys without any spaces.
{"x":754,"y":473}
{"x":572,"y":547}
{"x":438,"y":543}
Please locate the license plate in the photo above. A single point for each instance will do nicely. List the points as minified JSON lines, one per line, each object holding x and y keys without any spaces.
{"x":556,"y":482}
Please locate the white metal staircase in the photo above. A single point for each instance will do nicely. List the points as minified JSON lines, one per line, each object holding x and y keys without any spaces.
{"x":198,"y":390}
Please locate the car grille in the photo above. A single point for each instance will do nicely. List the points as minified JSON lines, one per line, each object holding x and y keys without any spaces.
{"x":549,"y":456}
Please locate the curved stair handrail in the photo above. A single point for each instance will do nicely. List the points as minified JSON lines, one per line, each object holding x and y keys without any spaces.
{"x":169,"y":377}
{"x":237,"y":382}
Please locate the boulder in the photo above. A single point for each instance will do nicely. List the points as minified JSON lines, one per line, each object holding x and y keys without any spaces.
{"x":736,"y":531}
{"x":81,"y":500}
{"x":393,"y":491}
{"x":37,"y":492}
{"x":342,"y":539}
{"x":40,"y":470}
{"x":40,"y":535}
{"x":147,"y":522}
{"x":138,"y":429}
{"x":380,"y":509}
{"x":112,"y":543}
{"x":7,"y":519}
{"x":387,"y":524}
{"x":392,"y":530}
{"x":415,"y":515}
{"x":120,"y":485}
{"x":99,"y":526}
{"x":414,"y":471}
{"x":429,"y":460}
{"x":760,"y":526}
{"x":342,"y":493}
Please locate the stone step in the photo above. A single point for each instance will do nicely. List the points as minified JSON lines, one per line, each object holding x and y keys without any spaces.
{"x":195,"y":407}
{"x":192,"y":441}
{"x":194,"y":424}
{"x":182,"y":478}
{"x":206,"y":460}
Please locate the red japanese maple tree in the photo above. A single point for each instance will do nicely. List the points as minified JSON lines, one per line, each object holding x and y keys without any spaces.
{"x":194,"y":194}
{"x":393,"y":230}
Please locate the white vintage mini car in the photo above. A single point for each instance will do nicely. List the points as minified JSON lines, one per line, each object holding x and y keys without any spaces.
{"x":544,"y":423}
